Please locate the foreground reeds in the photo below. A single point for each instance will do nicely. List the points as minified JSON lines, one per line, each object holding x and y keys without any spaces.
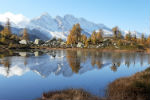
{"x":69,"y":94}
{"x":136,"y":87}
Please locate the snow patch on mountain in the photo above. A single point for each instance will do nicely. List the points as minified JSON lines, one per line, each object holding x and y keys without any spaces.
{"x":45,"y":21}
{"x":59,"y":27}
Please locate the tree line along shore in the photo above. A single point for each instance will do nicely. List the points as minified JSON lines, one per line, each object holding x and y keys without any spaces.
{"x":75,"y":39}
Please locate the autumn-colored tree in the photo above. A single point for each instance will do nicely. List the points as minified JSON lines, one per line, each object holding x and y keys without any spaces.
{"x":75,"y":34}
{"x":148,"y":41}
{"x":25,"y":34}
{"x":70,"y":39}
{"x":7,"y":29}
{"x":93,"y":37}
{"x":83,"y":38}
{"x":87,"y":42}
{"x":99,"y":35}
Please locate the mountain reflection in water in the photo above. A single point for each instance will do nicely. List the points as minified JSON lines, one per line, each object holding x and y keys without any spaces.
{"x":85,"y":65}
{"x":66,"y":63}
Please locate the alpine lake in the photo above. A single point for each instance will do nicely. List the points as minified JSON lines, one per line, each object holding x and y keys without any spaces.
{"x":26,"y":75}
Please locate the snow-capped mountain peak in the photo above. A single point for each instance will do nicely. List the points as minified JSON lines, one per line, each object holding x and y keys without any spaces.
{"x":43,"y":15}
{"x":49,"y":27}
{"x":45,"y":21}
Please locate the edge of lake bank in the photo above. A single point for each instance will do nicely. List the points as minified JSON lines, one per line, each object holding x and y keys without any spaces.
{"x":84,"y":49}
{"x":97,"y":49}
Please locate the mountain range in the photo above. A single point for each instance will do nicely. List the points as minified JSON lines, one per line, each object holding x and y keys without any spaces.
{"x":45,"y":26}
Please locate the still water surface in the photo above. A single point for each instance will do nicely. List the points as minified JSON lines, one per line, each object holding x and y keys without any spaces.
{"x":26,"y":75}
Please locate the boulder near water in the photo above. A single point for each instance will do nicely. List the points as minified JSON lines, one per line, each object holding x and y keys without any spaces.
{"x":23,"y":42}
{"x":38,"y":41}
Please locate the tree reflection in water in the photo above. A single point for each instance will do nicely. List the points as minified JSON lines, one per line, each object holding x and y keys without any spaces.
{"x":76,"y":60}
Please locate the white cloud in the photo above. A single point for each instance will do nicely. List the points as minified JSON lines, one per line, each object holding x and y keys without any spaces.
{"x":13,"y":71}
{"x":15,"y":18}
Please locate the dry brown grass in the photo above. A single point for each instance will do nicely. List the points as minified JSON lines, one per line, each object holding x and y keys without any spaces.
{"x":136,"y":87}
{"x":69,"y":94}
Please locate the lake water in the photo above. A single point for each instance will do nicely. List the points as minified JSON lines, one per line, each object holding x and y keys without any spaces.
{"x":26,"y":75}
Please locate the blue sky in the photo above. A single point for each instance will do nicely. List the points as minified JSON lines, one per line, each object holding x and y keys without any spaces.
{"x":127,"y":14}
